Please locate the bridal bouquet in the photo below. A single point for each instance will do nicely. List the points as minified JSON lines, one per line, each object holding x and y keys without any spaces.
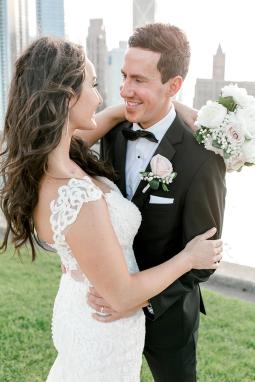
{"x":227,"y":127}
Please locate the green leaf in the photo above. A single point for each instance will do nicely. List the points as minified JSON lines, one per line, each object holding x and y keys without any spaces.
{"x":199,"y":137}
{"x":228,"y":102}
{"x":226,"y":155}
{"x":164,"y":186}
{"x":249,"y":164}
{"x":216,"y":144}
{"x":154,"y":184}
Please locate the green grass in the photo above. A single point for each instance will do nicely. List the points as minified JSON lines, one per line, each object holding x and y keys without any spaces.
{"x":226,"y":347}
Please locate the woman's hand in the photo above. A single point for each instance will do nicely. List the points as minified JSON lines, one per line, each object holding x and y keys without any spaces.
{"x":204,"y":253}
{"x":188,"y":114}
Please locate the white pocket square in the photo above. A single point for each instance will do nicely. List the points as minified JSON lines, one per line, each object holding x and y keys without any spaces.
{"x":159,"y":200}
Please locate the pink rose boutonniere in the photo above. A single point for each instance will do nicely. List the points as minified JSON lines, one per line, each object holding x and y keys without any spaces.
{"x":161,"y":173}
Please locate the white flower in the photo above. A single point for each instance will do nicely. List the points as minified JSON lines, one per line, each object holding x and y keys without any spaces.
{"x":247,"y":120}
{"x":235,"y":163}
{"x":239,"y":95}
{"x":234,"y":130}
{"x":161,"y":166}
{"x":249,"y":151}
{"x":211,"y":115}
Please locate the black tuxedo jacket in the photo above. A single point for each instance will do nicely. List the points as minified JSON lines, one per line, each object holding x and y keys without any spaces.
{"x":199,"y":194}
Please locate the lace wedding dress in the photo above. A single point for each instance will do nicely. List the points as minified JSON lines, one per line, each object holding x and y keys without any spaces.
{"x":88,"y":350}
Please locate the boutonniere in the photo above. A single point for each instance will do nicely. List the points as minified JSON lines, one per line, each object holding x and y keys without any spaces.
{"x":161,"y":173}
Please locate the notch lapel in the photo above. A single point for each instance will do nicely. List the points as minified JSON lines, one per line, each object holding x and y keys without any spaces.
{"x":120,"y":159}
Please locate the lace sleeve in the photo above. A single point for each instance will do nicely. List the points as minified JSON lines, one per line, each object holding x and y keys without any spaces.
{"x":64,"y":212}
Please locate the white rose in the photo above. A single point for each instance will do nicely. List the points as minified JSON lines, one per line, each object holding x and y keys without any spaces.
{"x":234,"y":131}
{"x":247,"y":120}
{"x":239,"y":95}
{"x":249,"y":151}
{"x":161,"y":166}
{"x":211,"y":115}
{"x":234,"y":164}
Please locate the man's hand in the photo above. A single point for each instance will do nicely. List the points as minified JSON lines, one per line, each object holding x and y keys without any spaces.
{"x":104,"y":311}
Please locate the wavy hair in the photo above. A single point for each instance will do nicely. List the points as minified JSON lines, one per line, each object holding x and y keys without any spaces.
{"x":47,"y":75}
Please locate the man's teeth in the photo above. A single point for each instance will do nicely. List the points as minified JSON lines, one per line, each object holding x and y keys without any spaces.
{"x":132,"y":104}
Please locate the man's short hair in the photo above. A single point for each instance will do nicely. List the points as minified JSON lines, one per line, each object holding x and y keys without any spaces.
{"x":168,"y":40}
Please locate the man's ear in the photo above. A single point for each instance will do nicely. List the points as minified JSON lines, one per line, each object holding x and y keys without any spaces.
{"x":174,"y":85}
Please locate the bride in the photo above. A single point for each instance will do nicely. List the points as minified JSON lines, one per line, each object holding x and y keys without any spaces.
{"x":53,"y":184}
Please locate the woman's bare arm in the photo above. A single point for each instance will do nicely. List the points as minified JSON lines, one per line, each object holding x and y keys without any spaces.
{"x":106,"y":120}
{"x":99,"y":254}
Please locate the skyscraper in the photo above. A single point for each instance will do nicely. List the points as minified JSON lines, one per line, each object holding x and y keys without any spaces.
{"x":143,"y":12}
{"x":113,"y":77}
{"x":210,"y":88}
{"x":4,"y":58}
{"x":50,"y":18}
{"x":219,"y":65}
{"x":14,"y":38}
{"x":18,"y":27}
{"x":97,"y":53}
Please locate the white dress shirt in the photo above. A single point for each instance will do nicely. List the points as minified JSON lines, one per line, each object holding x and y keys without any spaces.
{"x":140,"y":151}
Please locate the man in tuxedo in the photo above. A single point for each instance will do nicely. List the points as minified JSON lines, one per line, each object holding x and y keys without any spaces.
{"x":155,"y":65}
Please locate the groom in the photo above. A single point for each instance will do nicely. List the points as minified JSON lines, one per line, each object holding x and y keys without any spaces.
{"x":155,"y":65}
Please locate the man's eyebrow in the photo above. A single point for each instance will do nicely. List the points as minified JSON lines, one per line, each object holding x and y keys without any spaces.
{"x":135,"y":75}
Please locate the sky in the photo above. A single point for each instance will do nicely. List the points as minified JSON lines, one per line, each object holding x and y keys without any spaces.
{"x":206,"y":23}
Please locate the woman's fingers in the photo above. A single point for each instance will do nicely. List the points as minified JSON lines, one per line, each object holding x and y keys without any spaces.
{"x":208,"y":234}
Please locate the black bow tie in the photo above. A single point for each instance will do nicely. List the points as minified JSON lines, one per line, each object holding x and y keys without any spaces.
{"x":133,"y":135}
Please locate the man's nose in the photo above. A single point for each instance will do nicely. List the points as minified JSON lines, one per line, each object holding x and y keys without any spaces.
{"x":126,"y":90}
{"x":99,"y":97}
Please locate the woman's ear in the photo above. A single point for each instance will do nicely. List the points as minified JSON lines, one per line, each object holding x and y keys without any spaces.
{"x":72,"y":102}
{"x":174,"y":85}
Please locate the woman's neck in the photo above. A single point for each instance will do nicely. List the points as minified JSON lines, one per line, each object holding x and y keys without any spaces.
{"x":60,"y":165}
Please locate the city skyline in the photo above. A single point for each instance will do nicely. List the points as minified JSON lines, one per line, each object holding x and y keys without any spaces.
{"x":206,"y":24}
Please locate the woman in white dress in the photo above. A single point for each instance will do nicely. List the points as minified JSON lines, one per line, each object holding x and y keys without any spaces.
{"x":53,"y":184}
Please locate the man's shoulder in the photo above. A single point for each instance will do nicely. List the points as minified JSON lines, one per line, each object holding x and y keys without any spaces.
{"x":195,"y":153}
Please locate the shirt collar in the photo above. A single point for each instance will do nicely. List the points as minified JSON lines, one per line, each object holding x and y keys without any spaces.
{"x":161,"y":127}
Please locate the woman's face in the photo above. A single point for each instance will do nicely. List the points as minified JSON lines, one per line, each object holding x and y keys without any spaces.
{"x":82,"y":112}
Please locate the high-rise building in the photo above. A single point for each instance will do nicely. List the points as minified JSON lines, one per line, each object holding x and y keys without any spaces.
{"x":4,"y":58}
{"x":209,"y":89}
{"x":113,"y":77}
{"x":18,"y":27}
{"x":219,"y":65}
{"x":14,"y":38}
{"x":97,"y":53}
{"x":143,"y":12}
{"x":50,"y":17}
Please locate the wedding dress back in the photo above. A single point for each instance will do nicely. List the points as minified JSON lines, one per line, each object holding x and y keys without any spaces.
{"x":89,"y":350}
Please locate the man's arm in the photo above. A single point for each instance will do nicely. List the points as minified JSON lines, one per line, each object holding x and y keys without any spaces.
{"x":204,"y":209}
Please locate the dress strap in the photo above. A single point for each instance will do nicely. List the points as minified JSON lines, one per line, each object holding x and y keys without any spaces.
{"x":71,"y":196}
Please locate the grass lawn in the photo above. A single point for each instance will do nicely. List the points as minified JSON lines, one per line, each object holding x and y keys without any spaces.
{"x":227,"y":335}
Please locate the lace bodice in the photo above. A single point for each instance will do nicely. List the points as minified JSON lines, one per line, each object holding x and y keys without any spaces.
{"x":125,"y":216}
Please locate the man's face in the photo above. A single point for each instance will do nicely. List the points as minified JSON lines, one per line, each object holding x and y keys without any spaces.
{"x":147,"y":99}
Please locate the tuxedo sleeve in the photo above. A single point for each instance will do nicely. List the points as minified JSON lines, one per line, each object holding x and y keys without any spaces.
{"x":203,"y":209}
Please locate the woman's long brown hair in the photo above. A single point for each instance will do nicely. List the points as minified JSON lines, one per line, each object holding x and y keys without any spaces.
{"x":47,"y":75}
